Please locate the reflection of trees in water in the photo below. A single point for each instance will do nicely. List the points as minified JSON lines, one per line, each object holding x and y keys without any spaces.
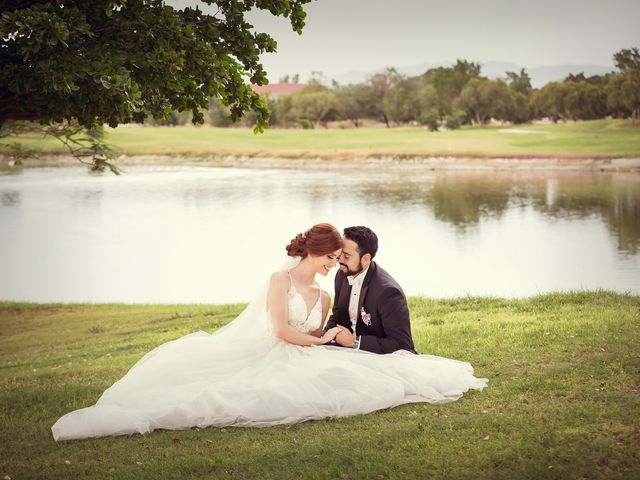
{"x":616,"y":199}
{"x":624,"y":219}
{"x":86,"y":197}
{"x":10,"y":198}
{"x":458,"y":199}
{"x":463,"y":199}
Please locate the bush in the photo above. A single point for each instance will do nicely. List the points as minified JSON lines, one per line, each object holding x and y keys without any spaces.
{"x":431,"y":119}
{"x":452,"y":123}
{"x":306,"y":124}
{"x":455,"y":120}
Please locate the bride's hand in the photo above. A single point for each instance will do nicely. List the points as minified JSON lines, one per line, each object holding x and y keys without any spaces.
{"x":330,"y":334}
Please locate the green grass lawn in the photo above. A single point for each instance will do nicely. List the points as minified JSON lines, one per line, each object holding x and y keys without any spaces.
{"x":562,"y":401}
{"x":595,"y":138}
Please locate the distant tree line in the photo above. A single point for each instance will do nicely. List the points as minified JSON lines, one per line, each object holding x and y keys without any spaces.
{"x":450,"y":97}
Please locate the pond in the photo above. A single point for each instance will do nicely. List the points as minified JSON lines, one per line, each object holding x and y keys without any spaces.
{"x":185,"y":234}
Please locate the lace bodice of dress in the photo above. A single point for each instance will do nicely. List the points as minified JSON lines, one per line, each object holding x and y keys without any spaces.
{"x":298,"y":317}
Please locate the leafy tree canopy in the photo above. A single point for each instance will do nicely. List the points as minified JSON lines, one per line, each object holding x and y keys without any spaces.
{"x":119,"y":61}
{"x":624,"y":87}
{"x":358,"y":101}
{"x":315,"y":104}
{"x":449,"y":82}
{"x":627,"y":58}
{"x":381,"y":83}
{"x":520,"y":82}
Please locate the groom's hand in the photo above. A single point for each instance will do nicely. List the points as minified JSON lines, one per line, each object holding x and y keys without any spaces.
{"x":345,"y":338}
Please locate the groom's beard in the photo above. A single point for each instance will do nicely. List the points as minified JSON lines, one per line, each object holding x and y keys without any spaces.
{"x":352,"y":272}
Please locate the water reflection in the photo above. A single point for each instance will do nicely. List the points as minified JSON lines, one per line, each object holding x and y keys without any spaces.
{"x":193,"y":234}
{"x":10,"y":198}
{"x":463,"y":199}
{"x":615,"y":199}
{"x":86,"y":198}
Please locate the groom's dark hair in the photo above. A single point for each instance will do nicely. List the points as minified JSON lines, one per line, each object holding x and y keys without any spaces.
{"x":366,"y":239}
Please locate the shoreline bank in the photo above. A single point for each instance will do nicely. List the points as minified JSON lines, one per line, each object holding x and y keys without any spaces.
{"x":309,"y":160}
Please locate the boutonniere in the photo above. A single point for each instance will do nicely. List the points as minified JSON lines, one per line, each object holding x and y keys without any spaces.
{"x":366,"y":317}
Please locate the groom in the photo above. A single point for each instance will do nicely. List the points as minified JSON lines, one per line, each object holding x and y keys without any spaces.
{"x":368,"y":302}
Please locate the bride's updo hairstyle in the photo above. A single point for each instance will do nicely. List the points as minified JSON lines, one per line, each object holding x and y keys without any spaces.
{"x":321,"y":239}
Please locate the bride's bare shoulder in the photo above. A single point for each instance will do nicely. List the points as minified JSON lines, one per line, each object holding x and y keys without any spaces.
{"x":280,"y":279}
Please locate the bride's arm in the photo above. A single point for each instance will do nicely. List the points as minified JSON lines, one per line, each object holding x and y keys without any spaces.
{"x":277,"y":303}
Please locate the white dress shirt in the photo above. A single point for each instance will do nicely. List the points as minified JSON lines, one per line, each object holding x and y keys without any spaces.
{"x":356,"y":282}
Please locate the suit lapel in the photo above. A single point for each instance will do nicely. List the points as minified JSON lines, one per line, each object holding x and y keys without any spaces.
{"x":363,"y":294}
{"x":345,"y":295}
{"x":364,"y":290}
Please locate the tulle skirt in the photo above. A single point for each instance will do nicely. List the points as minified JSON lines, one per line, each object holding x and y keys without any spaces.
{"x":201,"y":380}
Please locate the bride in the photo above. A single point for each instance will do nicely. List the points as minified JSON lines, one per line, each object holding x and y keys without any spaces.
{"x":269,"y":366}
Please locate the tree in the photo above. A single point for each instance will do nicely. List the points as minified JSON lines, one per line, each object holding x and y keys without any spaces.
{"x":175,"y":119}
{"x":117,"y":61}
{"x":283,"y":111}
{"x":623,"y":92}
{"x":519,"y":82}
{"x":520,"y":92}
{"x":400,"y":101}
{"x":549,"y":101}
{"x":627,"y":58}
{"x":519,"y":111}
{"x":483,"y":99}
{"x":577,"y":77}
{"x":623,"y":89}
{"x":315,"y":104}
{"x":449,"y":82}
{"x":218,"y":114}
{"x":381,"y":83}
{"x":358,"y":102}
{"x":584,"y":101}
{"x":427,"y":101}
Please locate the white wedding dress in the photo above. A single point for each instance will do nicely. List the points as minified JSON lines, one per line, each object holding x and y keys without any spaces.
{"x":243,"y":375}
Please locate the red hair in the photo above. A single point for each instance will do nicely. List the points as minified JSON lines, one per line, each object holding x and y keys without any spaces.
{"x":321,"y":239}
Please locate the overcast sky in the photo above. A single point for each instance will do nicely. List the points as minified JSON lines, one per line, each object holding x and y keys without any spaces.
{"x":368,"y":35}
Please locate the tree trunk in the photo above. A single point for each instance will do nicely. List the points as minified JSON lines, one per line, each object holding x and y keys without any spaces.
{"x":386,"y":120}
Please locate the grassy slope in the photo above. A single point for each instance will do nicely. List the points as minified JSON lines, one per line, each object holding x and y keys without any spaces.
{"x":562,"y":401}
{"x":583,"y":138}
